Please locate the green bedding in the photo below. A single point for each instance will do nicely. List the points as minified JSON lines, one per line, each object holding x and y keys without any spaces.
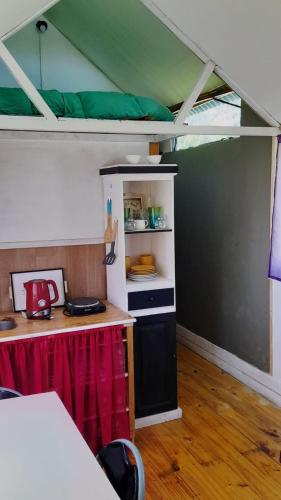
{"x":102,"y":105}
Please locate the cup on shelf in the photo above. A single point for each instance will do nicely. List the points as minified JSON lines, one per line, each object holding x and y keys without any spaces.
{"x":160,"y":223}
{"x":146,"y":259}
{"x":134,"y":159}
{"x":153,"y":214}
{"x":127,"y":213}
{"x":130,"y":224}
{"x":141,"y":224}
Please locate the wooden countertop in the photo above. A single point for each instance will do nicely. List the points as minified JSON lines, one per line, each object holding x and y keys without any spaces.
{"x":60,"y":323}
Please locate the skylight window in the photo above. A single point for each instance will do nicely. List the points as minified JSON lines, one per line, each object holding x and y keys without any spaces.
{"x":223,"y":110}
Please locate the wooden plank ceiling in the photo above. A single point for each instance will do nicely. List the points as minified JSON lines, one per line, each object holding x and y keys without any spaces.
{"x":131,"y":46}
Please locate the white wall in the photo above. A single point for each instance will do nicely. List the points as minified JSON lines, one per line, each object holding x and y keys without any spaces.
{"x":63,"y":67}
{"x":51,"y":191}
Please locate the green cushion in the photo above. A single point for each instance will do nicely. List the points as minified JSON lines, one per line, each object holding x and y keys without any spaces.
{"x":105,"y":105}
{"x":154,"y":110}
{"x":72,"y":106}
{"x":14,"y":102}
{"x":54,"y":99}
{"x":110,"y":105}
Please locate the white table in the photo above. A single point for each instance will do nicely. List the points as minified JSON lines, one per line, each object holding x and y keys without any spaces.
{"x":43,"y":456}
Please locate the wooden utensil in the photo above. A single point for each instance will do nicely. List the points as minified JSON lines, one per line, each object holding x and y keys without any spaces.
{"x":108,"y":236}
{"x":111,"y":256}
{"x":128,"y":263}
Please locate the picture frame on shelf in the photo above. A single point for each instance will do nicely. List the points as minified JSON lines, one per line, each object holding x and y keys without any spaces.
{"x":133,"y":201}
{"x":18,"y":293}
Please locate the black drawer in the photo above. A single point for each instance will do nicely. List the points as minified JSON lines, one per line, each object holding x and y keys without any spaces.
{"x":150,"y":298}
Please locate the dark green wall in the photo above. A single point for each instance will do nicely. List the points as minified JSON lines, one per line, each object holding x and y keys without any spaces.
{"x":222,"y":210}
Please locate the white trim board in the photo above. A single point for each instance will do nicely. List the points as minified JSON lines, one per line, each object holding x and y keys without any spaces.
{"x":51,"y":243}
{"x":158,"y":418}
{"x":94,"y":326}
{"x":153,"y":310}
{"x":261,"y":382}
{"x":27,"y":135}
{"x":89,"y":125}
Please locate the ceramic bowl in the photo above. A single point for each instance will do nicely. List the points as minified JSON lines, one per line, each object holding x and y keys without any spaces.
{"x":155,"y":159}
{"x":133,"y":158}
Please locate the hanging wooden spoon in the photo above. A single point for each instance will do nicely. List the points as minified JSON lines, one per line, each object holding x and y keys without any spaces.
{"x":108,"y":231}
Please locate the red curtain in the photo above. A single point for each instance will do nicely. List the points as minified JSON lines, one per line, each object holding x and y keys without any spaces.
{"x":85,"y":368}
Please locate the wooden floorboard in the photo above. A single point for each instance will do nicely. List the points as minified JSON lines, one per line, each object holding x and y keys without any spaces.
{"x":227,"y":445}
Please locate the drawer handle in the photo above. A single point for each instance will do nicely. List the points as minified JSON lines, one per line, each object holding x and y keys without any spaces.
{"x":151,"y":298}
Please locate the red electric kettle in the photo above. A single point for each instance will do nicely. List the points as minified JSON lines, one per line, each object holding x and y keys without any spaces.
{"x":38,"y":300}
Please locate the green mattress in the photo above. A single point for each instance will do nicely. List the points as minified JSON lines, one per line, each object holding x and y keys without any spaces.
{"x":102,"y":105}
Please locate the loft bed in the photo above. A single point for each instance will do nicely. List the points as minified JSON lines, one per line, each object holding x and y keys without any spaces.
{"x":152,"y":126}
{"x":88,"y":104}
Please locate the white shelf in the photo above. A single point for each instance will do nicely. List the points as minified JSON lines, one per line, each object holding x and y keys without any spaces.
{"x":139,"y":286}
{"x":149,"y":231}
{"x":166,"y":165}
{"x":157,"y":186}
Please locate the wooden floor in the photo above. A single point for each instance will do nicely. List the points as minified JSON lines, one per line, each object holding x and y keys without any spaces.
{"x":227,"y":446}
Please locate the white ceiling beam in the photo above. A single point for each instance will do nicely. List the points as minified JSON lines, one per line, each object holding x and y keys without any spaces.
{"x":224,"y":131}
{"x":245,"y":97}
{"x":227,"y":131}
{"x":51,"y":137}
{"x":197,"y":90}
{"x":200,"y":52}
{"x":191,"y":44}
{"x":86,"y":125}
{"x":16,"y":14}
{"x":25,"y":83}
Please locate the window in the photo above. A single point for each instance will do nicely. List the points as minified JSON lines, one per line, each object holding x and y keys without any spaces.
{"x":213,"y":112}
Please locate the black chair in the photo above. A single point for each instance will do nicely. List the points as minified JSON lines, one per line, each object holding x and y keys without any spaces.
{"x":6,"y":393}
{"x":126,"y":478}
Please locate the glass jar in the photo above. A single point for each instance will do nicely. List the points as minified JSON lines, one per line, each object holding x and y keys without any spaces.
{"x":130,"y":225}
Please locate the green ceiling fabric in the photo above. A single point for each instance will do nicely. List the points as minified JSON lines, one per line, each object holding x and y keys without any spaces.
{"x":131,"y":46}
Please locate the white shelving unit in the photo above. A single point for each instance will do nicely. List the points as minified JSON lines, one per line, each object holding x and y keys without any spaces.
{"x":159,"y":188}
{"x":151,"y":302}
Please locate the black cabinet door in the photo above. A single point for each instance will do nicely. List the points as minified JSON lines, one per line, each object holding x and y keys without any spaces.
{"x":155,"y":364}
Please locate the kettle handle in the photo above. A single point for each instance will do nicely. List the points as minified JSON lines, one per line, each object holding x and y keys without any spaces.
{"x":55,"y":288}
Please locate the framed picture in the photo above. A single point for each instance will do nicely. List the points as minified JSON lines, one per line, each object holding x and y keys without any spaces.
{"x":133,"y":201}
{"x":19,"y":278}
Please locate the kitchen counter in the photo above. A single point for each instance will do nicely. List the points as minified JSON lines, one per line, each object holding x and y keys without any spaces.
{"x":31,"y":328}
{"x":60,"y":323}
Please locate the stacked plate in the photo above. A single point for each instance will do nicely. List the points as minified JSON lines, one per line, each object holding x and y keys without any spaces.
{"x":142,"y":272}
{"x":142,"y":277}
